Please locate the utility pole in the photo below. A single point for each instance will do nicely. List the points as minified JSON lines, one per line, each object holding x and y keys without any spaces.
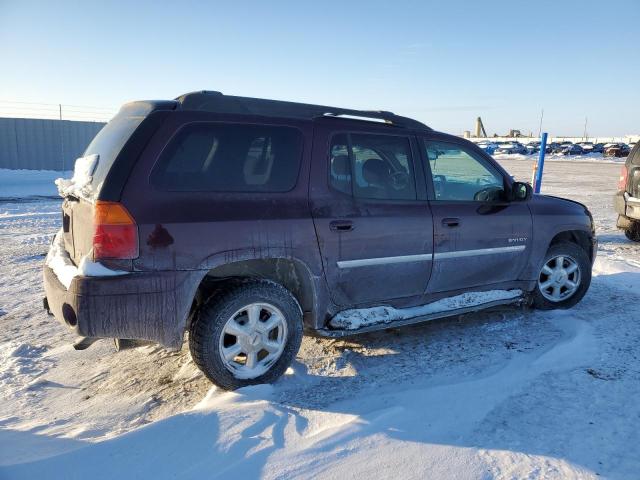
{"x":585,"y":128}
{"x":540,"y":127}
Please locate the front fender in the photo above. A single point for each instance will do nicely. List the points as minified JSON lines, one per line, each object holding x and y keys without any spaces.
{"x":552,"y":216}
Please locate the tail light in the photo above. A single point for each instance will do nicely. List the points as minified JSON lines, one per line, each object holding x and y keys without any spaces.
{"x":115,"y":232}
{"x":622,"y":181}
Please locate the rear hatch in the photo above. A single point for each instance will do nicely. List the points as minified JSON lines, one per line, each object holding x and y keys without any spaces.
{"x":82,"y":192}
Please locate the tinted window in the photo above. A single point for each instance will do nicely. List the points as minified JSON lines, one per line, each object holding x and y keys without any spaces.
{"x":372,"y":166}
{"x":461,"y":174}
{"x":230,"y":158}
{"x":340,"y":166}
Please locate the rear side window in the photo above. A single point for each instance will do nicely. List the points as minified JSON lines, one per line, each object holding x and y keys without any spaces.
{"x":372,"y":166}
{"x":230,"y":158}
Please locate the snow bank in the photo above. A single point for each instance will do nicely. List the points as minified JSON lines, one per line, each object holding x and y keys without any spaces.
{"x":429,"y":429}
{"x":58,"y":260}
{"x":589,"y":157}
{"x":354,"y":319}
{"x":80,"y":184}
{"x":28,"y":183}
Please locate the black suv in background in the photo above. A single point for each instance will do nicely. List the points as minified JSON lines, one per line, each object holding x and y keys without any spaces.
{"x":627,"y":198}
{"x":247,"y":221}
{"x":616,"y":150}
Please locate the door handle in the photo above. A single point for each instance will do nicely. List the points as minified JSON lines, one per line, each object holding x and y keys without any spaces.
{"x":341,"y":225}
{"x":450,"y":222}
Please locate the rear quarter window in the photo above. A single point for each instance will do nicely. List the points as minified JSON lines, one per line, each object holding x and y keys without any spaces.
{"x":230,"y":158}
{"x":108,"y":143}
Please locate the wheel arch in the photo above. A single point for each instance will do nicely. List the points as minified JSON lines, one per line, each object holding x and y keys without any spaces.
{"x":291,"y":273}
{"x":580,"y":237}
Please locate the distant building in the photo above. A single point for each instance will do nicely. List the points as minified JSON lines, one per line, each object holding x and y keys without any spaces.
{"x":480,"y":131}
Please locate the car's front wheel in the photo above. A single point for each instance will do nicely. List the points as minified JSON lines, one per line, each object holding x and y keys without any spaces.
{"x":564,"y":277}
{"x":248,"y":334}
{"x":633,"y":232}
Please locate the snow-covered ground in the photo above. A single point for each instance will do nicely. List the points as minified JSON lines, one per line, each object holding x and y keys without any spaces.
{"x":503,"y":394}
{"x":556,"y":157}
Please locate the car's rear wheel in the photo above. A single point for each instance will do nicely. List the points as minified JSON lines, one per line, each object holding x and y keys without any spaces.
{"x":246,"y":335}
{"x":633,"y":232}
{"x":564,"y":277}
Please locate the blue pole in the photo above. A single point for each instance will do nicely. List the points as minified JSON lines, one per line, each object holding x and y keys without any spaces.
{"x":543,"y":147}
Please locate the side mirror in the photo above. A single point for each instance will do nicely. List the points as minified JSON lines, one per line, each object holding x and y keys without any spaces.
{"x":521,"y":192}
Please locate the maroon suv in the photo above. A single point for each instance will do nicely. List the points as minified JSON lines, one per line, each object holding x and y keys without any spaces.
{"x":246,"y":221}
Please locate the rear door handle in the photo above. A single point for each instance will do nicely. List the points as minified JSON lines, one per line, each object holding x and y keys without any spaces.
{"x":341,"y":225}
{"x":450,"y":222}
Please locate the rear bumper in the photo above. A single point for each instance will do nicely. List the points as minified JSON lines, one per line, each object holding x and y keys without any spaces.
{"x":627,"y":206}
{"x":143,"y":306}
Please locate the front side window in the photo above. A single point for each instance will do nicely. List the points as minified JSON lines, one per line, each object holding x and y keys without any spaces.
{"x":230,"y":158}
{"x":372,"y":166}
{"x":462,"y":175}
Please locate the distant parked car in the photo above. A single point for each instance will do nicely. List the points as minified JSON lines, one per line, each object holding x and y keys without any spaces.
{"x":616,"y":150}
{"x":532,"y":147}
{"x":510,"y":148}
{"x":587,"y":147}
{"x":627,"y":198}
{"x":590,"y":147}
{"x":558,"y":147}
{"x":573,"y":149}
{"x":488,"y":146}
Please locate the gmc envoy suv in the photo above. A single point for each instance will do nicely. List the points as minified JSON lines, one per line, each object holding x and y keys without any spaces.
{"x":247,"y":222}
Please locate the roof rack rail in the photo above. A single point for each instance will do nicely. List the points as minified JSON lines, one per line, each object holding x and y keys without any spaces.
{"x":212,"y":101}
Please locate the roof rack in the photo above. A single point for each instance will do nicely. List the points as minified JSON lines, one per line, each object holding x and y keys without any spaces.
{"x":211,"y":101}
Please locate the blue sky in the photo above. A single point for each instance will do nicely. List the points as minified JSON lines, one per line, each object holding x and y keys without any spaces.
{"x":441,"y":62}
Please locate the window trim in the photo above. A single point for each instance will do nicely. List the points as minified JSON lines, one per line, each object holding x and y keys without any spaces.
{"x":183,"y":126}
{"x":413,"y":159}
{"x":431,"y":191}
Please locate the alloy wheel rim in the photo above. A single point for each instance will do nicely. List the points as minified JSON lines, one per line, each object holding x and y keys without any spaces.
{"x":252,"y":340}
{"x":559,"y":278}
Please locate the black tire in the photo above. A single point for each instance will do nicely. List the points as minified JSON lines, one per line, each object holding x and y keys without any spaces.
{"x":633,"y":232}
{"x":208,"y":325}
{"x":576,"y":253}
